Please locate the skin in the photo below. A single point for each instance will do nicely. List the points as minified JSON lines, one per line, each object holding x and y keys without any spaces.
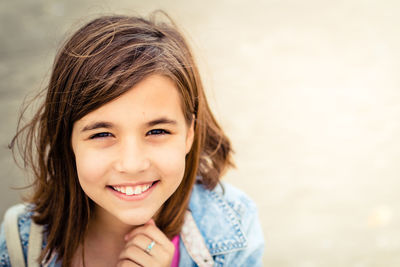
{"x":140,"y":138}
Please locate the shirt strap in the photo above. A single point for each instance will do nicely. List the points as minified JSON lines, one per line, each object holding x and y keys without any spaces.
{"x":35,"y":244}
{"x":13,"y":240}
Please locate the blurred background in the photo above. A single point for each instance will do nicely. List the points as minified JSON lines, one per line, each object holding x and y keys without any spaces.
{"x":307,"y":90}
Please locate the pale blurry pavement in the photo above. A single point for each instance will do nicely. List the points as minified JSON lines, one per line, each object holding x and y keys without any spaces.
{"x":309,"y":92}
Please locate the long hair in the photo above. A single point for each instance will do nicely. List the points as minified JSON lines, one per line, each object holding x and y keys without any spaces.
{"x":98,"y":63}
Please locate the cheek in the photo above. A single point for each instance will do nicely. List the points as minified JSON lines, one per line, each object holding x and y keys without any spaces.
{"x":90,"y":166}
{"x":171,"y":162}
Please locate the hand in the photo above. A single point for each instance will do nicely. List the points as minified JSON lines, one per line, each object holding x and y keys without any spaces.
{"x":135,"y":254}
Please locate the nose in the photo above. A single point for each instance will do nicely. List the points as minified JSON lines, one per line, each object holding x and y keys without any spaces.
{"x":131,"y":156}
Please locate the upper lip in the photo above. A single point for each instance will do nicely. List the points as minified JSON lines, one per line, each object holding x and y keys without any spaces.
{"x":134,"y":184}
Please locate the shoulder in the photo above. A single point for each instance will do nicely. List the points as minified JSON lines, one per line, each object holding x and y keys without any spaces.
{"x":228,"y":220}
{"x":224,"y":199}
{"x":225,"y":196}
{"x":24,"y":219}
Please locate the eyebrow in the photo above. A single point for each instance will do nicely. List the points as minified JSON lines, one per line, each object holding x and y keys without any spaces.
{"x":162,"y":120}
{"x":97,"y":125}
{"x":108,"y":125}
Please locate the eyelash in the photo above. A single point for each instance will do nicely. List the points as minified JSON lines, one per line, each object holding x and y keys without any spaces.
{"x":151,"y":132}
{"x":157,"y":132}
{"x":100,"y":135}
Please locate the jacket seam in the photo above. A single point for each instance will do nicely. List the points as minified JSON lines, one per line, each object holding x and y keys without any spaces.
{"x":228,"y":246}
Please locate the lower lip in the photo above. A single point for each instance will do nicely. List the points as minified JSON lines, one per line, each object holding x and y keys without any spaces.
{"x":133,"y":197}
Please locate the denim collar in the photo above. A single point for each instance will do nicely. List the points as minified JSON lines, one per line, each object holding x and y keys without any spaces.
{"x":217,"y":220}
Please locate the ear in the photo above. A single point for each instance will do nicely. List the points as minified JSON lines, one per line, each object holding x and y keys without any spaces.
{"x":190,"y":136}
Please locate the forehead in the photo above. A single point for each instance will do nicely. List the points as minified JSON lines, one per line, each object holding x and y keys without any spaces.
{"x":154,"y":96}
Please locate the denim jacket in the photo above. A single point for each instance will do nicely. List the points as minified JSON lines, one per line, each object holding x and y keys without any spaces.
{"x":221,"y":229}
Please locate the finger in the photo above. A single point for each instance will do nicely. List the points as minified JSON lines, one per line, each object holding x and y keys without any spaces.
{"x":127,"y":263}
{"x":143,"y":242}
{"x":147,"y":245}
{"x":154,"y":233}
{"x":130,"y":234}
{"x":136,"y":255}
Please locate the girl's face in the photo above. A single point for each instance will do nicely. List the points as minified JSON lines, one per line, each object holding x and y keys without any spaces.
{"x":130,"y":153}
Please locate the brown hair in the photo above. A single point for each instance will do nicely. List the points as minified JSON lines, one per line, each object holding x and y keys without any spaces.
{"x":99,"y":62}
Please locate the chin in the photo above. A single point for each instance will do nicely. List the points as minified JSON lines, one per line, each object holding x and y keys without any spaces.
{"x":135,"y":219}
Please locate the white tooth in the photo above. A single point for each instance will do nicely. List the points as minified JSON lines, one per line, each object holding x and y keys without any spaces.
{"x":129,"y":190}
{"x":123,"y":189}
{"x":118,"y":188}
{"x":145,"y":187}
{"x":138,"y":190}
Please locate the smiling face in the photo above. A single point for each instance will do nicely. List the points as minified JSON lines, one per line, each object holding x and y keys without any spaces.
{"x":130,"y":153}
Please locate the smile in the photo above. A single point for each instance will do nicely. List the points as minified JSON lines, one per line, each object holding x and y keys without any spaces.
{"x":132,"y":190}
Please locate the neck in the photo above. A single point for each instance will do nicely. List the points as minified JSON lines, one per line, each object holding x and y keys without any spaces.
{"x":104,"y":240}
{"x":107,"y":228}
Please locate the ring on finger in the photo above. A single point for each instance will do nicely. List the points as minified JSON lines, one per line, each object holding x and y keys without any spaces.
{"x":150,"y":247}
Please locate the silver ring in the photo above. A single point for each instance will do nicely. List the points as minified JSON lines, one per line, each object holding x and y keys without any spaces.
{"x":150,"y":247}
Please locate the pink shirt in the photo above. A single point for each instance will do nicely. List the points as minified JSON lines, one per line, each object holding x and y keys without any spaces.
{"x":175,"y":259}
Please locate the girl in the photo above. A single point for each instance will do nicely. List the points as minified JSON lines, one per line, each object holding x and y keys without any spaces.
{"x":127,"y":159}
